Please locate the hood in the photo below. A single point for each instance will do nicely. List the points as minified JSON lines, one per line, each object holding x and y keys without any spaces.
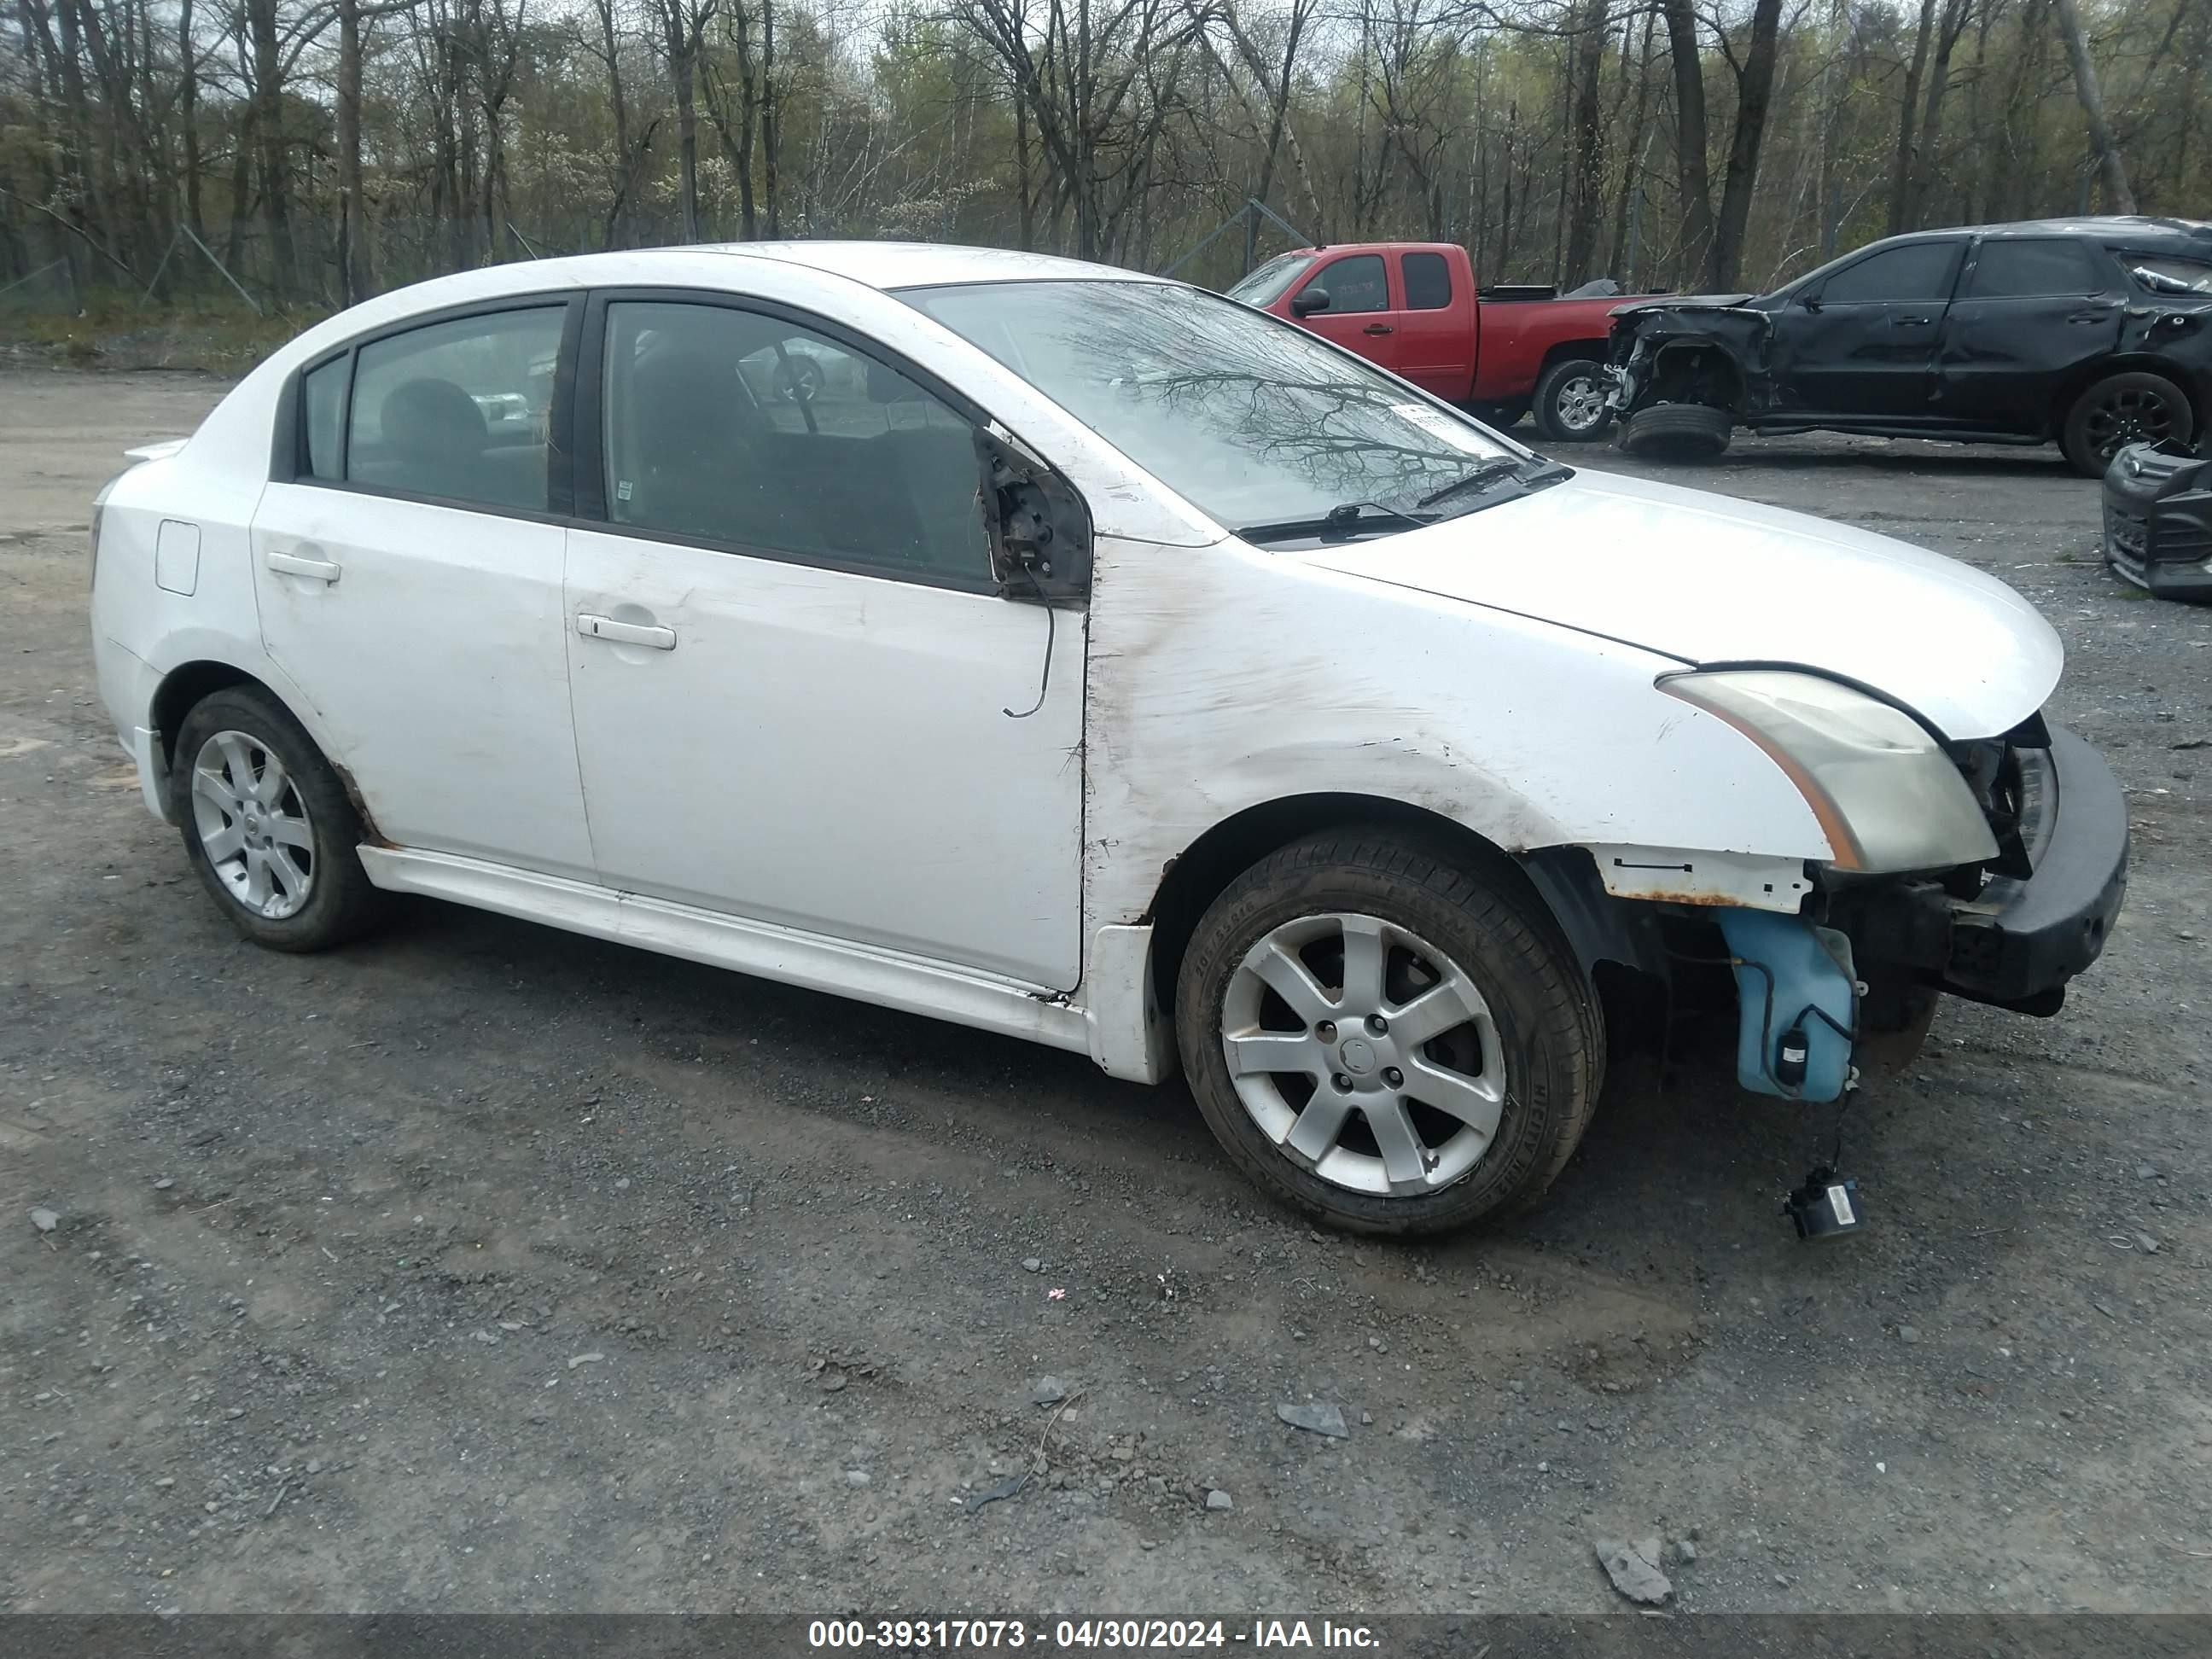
{"x":1710,"y":579}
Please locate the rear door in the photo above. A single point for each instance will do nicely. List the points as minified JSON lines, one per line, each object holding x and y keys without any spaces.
{"x":1360,"y":315}
{"x":1862,"y":343}
{"x":2033,"y":311}
{"x":407,"y":564}
{"x":1435,"y":340}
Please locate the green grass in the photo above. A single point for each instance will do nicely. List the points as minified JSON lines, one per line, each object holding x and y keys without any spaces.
{"x":119,"y":334}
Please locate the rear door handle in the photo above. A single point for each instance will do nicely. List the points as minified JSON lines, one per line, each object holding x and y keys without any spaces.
{"x":1912,"y":322}
{"x":295,"y":564}
{"x":1378,"y":328}
{"x":622,"y":633}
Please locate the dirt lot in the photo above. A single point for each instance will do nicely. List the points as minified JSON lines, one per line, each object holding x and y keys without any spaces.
{"x":481,"y":1267}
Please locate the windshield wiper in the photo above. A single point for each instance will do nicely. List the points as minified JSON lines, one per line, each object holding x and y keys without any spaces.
{"x":1347,"y":517}
{"x":1490,"y":472}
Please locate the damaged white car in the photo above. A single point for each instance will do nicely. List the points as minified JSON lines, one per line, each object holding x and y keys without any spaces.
{"x":1091,"y":660}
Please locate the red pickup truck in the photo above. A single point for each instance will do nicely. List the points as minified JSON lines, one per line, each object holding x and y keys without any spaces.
{"x":1412,"y":308}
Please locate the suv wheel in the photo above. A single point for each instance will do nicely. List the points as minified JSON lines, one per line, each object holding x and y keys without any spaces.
{"x":2123,"y":409}
{"x":1390,"y":1040}
{"x":1570,"y":402}
{"x":268,"y":827}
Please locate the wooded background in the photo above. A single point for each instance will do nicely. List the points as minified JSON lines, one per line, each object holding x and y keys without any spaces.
{"x":321,"y":150}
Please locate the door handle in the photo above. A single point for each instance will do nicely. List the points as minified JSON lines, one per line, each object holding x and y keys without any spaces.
{"x":295,"y":564}
{"x":1378,"y":328}
{"x":622,"y":633}
{"x":1912,"y":322}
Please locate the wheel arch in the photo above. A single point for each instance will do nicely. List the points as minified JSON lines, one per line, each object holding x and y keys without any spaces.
{"x":1559,"y":352}
{"x":1563,"y":880}
{"x":2085,"y":375}
{"x":189,"y":683}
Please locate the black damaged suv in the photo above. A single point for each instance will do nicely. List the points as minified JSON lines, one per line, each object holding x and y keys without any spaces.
{"x":2096,"y":333}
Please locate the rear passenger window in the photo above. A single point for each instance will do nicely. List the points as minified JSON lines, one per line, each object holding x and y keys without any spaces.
{"x":2039,"y":266}
{"x":733,"y":427}
{"x":323,"y":391}
{"x":458,"y":410}
{"x":1428,"y":282}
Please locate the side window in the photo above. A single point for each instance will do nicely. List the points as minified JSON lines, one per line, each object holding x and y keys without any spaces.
{"x":1428,"y":282}
{"x":1918,"y":271}
{"x":2164,"y":273}
{"x":458,"y":410}
{"x":733,"y":427}
{"x":1353,"y":284}
{"x":2007,"y":269}
{"x":323,"y":393}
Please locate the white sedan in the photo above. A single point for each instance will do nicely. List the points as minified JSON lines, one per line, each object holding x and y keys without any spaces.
{"x":1113,"y":666}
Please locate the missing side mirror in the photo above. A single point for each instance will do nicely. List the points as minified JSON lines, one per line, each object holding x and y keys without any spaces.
{"x":1039,"y":527}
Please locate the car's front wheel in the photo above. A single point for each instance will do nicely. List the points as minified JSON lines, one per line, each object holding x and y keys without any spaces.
{"x":268,"y":826}
{"x":1389,"y":1038}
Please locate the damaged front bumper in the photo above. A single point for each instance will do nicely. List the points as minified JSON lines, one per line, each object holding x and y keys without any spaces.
{"x":2027,"y":929}
{"x":2158,"y":521}
{"x":2012,"y":934}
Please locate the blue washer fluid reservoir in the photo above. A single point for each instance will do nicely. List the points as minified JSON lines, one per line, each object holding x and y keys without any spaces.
{"x":1785,"y":968}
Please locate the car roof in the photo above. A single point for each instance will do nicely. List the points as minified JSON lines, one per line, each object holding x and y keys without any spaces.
{"x":2126,"y":228}
{"x":878,"y":265}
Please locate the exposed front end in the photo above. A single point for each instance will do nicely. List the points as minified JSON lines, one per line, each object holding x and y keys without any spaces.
{"x":2158,"y":521}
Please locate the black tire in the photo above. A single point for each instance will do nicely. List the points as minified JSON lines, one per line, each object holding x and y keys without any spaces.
{"x":2120,"y":410}
{"x":1550,"y":1030}
{"x":339,"y":903}
{"x":1559,"y":388}
{"x":1677,"y":432}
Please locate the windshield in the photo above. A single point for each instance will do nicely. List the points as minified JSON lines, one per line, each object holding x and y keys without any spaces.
{"x":1251,"y":420}
{"x":1271,"y":280}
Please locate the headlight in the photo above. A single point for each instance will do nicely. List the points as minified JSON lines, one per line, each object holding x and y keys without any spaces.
{"x":1886,"y":795}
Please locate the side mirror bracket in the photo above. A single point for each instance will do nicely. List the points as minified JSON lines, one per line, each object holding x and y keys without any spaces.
{"x":1038,"y":526}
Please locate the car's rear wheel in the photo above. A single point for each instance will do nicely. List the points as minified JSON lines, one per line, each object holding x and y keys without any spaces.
{"x":267,"y":826}
{"x":1677,"y":432}
{"x":1389,"y":1038}
{"x":1570,"y":402}
{"x":2120,"y":410}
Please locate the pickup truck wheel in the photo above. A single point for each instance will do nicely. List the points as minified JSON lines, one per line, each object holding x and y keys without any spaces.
{"x":1677,"y":432}
{"x":2123,"y":409}
{"x":1388,"y":1038}
{"x":1570,"y":402}
{"x":268,"y":827}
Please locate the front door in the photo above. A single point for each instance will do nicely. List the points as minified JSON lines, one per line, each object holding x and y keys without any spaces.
{"x":2032,"y":311}
{"x":1360,"y":316}
{"x":797,"y":697}
{"x":1862,"y":344}
{"x":409,"y":583}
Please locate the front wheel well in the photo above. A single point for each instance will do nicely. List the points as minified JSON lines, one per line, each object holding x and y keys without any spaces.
{"x":1197,"y":876}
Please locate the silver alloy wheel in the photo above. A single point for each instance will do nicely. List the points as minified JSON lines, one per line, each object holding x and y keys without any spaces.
{"x":1581,"y":402}
{"x":1364,"y":1054}
{"x":253,"y":825}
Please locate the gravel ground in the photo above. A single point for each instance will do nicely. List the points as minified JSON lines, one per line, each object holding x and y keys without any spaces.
{"x":483,"y":1268}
